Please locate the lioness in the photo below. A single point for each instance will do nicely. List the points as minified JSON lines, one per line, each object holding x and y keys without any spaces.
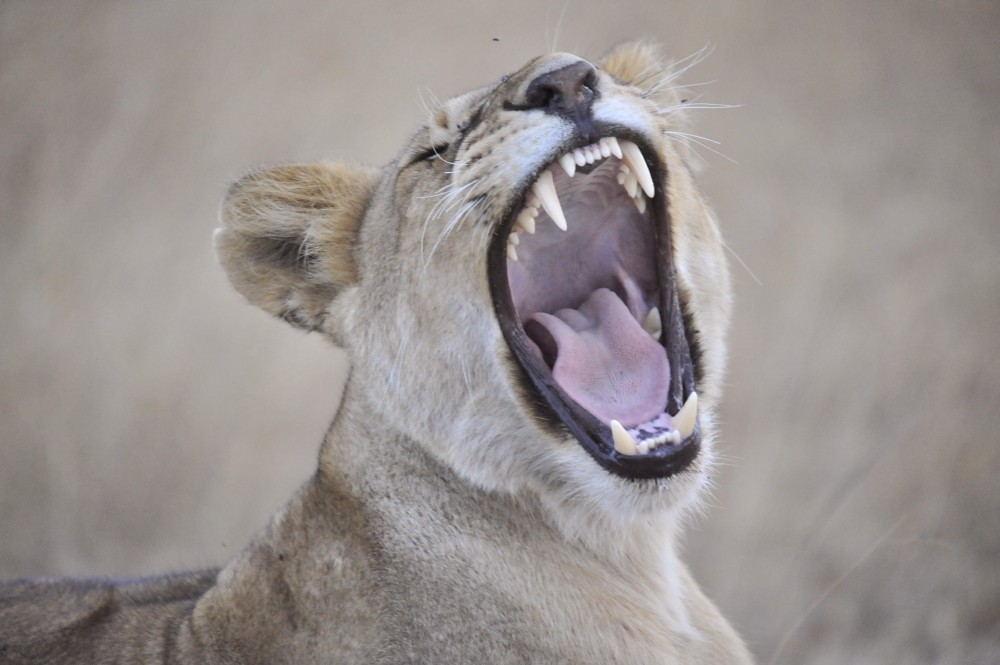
{"x":534,"y":298}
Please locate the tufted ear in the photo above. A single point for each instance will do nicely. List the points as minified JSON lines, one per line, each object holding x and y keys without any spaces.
{"x":288,"y":235}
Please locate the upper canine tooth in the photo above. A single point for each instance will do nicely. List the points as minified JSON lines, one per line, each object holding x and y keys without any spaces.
{"x":632,"y":156}
{"x":624,"y":443}
{"x":686,"y":418}
{"x":545,"y":190}
{"x":569,"y":166}
{"x":616,"y":149}
{"x":652,"y":324}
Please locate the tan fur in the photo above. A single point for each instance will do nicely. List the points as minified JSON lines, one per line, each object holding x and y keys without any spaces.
{"x":307,"y":213}
{"x":445,"y":523}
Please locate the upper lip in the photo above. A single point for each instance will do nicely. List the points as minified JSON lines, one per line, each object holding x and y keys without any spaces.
{"x":557,"y":408}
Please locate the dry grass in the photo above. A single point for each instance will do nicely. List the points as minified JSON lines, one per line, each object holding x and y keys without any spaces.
{"x":150,"y":420}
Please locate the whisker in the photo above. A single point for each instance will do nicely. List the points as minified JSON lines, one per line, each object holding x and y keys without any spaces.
{"x":423,"y":102}
{"x":695,"y":106}
{"x":679,"y":68}
{"x":664,"y":85}
{"x":446,"y":194}
{"x":742,"y":263}
{"x":456,"y":220}
{"x":685,"y":137}
{"x":555,"y":36}
{"x":830,"y":589}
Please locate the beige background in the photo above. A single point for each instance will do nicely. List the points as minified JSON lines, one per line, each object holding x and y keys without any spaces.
{"x":150,"y":420}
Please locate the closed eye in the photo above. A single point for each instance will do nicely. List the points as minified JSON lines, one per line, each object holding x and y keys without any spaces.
{"x":430,"y":154}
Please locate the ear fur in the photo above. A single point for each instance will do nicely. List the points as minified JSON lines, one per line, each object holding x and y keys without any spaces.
{"x":288,"y":235}
{"x":641,"y":64}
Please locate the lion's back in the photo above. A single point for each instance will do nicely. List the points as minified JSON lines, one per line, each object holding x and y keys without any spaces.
{"x":66,"y":621}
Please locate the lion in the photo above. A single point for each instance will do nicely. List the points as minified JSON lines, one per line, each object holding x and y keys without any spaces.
{"x":534,"y":298}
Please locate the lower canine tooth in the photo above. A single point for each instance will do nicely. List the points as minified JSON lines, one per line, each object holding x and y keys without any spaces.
{"x":624,"y":443}
{"x":545,"y":189}
{"x":631,"y":185}
{"x":686,"y":418}
{"x":652,"y":324}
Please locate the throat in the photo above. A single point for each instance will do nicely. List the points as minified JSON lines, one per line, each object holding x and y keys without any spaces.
{"x":603,"y":358}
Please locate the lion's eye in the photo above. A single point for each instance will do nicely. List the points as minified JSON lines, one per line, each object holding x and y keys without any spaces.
{"x":472,"y":120}
{"x":430,"y":154}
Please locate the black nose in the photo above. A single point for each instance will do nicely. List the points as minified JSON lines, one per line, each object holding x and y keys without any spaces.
{"x":568,"y":92}
{"x":562,"y":90}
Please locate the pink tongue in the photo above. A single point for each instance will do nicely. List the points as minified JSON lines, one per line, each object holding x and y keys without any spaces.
{"x":606,"y":362}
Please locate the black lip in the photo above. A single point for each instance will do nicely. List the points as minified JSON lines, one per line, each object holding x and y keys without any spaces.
{"x":550,"y":404}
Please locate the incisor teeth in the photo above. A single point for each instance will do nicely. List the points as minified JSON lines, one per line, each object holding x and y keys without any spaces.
{"x":526,"y":220}
{"x":545,"y":189}
{"x":568,"y":164}
{"x":624,"y":443}
{"x":652,"y":323}
{"x":602,"y":145}
{"x":632,"y":156}
{"x":685,"y":419}
{"x":579,"y":157}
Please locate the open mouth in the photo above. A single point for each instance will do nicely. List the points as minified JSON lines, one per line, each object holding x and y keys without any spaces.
{"x":583,"y":286}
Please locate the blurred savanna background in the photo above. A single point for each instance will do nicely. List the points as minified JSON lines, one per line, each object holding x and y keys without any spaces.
{"x":150,"y":420}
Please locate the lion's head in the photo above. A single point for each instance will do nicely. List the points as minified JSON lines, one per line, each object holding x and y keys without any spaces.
{"x":534,"y":290}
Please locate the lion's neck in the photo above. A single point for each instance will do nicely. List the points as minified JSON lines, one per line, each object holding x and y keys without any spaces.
{"x":412,"y":487}
{"x":359,"y":445}
{"x":385,"y":542}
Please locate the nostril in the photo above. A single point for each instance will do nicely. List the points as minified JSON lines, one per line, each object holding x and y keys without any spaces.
{"x":568,"y":92}
{"x":563,"y":90}
{"x":543,"y":96}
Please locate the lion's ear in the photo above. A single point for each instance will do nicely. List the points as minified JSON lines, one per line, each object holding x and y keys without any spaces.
{"x":641,"y":64}
{"x":288,"y":236}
